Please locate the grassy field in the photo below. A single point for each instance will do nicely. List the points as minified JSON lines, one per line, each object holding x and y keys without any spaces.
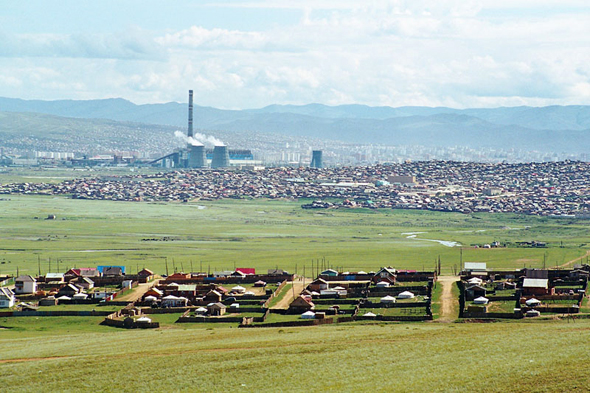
{"x":542,"y":355}
{"x":265,"y":234}
{"x":535,"y":356}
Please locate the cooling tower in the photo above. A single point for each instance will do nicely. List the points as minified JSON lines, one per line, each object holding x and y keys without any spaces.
{"x":316,"y":159}
{"x":190,"y":113}
{"x":196,"y":157}
{"x":220,"y":157}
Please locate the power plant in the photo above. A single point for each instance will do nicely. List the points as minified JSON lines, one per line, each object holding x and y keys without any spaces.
{"x":316,"y":159}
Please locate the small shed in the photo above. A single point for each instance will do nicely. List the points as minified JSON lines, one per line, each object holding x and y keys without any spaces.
{"x":216,"y":309}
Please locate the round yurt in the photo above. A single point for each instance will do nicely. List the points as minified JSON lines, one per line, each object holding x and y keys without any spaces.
{"x":532,"y":302}
{"x":387,"y":299}
{"x":481,"y":300}
{"x":405,"y":295}
{"x":308,"y":315}
{"x":238,"y":289}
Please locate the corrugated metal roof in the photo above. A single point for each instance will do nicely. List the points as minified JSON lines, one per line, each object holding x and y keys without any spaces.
{"x":475,"y":266}
{"x":535,"y":283}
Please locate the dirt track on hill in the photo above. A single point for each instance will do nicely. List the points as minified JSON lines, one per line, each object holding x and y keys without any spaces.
{"x":449,"y":304}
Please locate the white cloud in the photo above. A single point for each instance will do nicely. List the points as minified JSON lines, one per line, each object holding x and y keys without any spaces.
{"x":375,"y":52}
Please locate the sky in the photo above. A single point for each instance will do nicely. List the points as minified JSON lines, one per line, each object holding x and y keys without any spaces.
{"x":241,"y":54}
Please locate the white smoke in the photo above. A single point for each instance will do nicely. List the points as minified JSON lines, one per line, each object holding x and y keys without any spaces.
{"x":208,"y":140}
{"x":187,"y":139}
{"x":199,"y":139}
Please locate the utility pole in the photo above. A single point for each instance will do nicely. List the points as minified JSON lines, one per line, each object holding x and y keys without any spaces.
{"x":166,"y":258}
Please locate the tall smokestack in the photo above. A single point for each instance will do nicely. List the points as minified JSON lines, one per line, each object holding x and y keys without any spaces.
{"x":190,"y":113}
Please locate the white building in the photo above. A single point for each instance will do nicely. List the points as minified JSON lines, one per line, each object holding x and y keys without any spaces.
{"x":25,"y":284}
{"x":7,"y":298}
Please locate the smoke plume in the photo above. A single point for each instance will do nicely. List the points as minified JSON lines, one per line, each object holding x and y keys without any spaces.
{"x":199,"y":139}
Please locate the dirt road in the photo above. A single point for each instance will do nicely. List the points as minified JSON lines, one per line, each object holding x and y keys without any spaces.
{"x":576,"y":259}
{"x":298,"y":287}
{"x":449,"y":304}
{"x":137,"y":293}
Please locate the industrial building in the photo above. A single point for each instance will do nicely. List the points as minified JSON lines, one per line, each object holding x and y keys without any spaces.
{"x":316,"y":159}
{"x":195,"y":155}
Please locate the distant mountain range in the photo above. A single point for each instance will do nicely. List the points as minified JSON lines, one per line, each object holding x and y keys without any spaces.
{"x":552,"y":128}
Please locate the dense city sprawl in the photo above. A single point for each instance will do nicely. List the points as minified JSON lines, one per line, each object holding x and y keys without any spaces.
{"x":547,"y":189}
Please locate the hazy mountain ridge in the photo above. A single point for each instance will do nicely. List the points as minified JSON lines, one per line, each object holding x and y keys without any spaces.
{"x":551,"y":128}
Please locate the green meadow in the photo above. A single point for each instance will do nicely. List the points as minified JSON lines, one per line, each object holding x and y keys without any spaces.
{"x":216,"y":235}
{"x":39,"y":352}
{"x":211,"y":236}
{"x":540,"y":356}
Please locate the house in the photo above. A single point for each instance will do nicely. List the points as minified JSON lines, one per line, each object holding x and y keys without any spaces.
{"x":25,"y":284}
{"x":213,"y":296}
{"x":174,"y":301}
{"x":83,"y":272}
{"x":178,"y":276}
{"x":329,"y":272}
{"x":69,"y":290}
{"x":54,"y":277}
{"x":246,"y":270}
{"x":7,"y":298}
{"x":216,"y":309}
{"x":187,"y":290}
{"x":112,"y":271}
{"x":155,"y":292}
{"x":84,"y":283}
{"x":387,"y":274}
{"x":301,"y":304}
{"x":145,"y":274}
{"x":237,"y":274}
{"x":474,"y":291}
{"x":536,"y":286}
{"x":318,"y":284}
{"x":277,"y":272}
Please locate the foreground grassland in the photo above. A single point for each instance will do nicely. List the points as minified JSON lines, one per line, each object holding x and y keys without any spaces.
{"x":266,"y":234}
{"x":534,"y":356}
